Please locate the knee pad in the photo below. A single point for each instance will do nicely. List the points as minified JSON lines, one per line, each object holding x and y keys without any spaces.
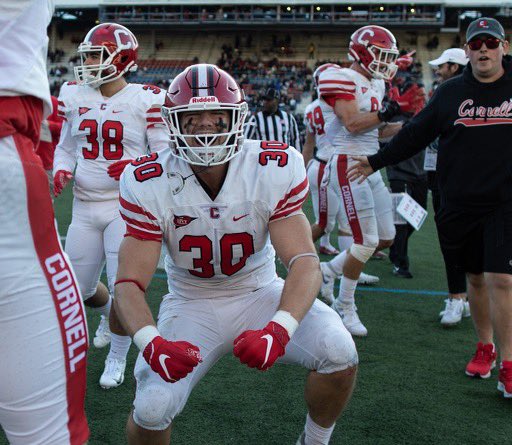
{"x":340,"y":349}
{"x":151,"y":407}
{"x":363,"y":252}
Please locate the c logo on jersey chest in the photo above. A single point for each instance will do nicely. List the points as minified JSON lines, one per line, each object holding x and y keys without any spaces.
{"x":214,"y":213}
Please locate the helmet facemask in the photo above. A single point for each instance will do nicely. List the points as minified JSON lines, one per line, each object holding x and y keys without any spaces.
{"x":106,"y":70}
{"x":210,"y":148}
{"x":383,"y":65}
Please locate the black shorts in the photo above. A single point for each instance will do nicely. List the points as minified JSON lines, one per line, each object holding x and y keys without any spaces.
{"x":477,"y":242}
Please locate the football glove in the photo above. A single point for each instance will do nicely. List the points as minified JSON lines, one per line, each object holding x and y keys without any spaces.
{"x":389,"y":111}
{"x":60,"y":180}
{"x":114,"y":170}
{"x":412,"y":100}
{"x":260,"y":349}
{"x":171,"y":360}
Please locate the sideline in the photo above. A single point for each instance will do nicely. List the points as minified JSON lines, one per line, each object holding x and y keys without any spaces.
{"x":163,"y":276}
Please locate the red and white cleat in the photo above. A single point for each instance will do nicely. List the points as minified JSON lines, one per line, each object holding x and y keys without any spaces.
{"x":482,"y":362}
{"x":505,"y":379}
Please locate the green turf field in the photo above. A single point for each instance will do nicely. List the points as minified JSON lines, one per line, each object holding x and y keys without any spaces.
{"x":411,"y":385}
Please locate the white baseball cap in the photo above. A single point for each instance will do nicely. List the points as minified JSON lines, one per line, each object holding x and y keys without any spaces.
{"x":452,"y":55}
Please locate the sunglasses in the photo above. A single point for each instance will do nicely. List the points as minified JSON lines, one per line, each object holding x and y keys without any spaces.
{"x":490,"y":43}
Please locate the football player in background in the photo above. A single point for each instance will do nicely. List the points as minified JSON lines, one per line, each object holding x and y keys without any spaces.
{"x":43,"y":331}
{"x":221,"y":206}
{"x":355,"y":120}
{"x":315,"y":161}
{"x":107,"y":123}
{"x":323,"y":198}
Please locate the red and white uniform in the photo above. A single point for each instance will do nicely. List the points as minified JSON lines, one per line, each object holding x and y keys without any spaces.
{"x":368,"y":206}
{"x":321,"y":198}
{"x":97,"y":132}
{"x":43,"y":331}
{"x":221,"y":271}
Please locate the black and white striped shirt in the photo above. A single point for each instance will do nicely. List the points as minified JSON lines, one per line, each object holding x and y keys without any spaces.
{"x":280,"y":126}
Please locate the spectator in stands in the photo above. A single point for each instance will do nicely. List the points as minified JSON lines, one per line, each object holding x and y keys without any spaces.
{"x":311,"y":50}
{"x":450,"y":64}
{"x":273,"y":124}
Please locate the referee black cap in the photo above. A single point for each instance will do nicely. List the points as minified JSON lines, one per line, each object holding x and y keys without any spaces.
{"x":271,"y":93}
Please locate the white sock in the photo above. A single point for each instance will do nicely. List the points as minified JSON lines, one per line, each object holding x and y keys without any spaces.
{"x":347,"y":291}
{"x":316,"y":434}
{"x":105,"y":310}
{"x":325,"y":240}
{"x":119,"y":346}
{"x":337,"y":262}
{"x":345,"y":241}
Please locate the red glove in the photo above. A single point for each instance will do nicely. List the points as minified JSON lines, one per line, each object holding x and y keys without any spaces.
{"x":405,"y":61}
{"x":171,"y":360}
{"x":260,"y":349}
{"x":60,"y":180}
{"x":412,"y":100}
{"x":115,"y":169}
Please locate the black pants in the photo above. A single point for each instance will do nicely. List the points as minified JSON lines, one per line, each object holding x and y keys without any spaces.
{"x":418,"y":191}
{"x":456,"y":278}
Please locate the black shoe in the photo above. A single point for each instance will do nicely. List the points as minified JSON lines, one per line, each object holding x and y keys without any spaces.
{"x":401,"y":272}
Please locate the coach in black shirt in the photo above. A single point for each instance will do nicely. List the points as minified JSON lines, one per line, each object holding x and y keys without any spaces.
{"x":273,"y":124}
{"x":472,"y":115}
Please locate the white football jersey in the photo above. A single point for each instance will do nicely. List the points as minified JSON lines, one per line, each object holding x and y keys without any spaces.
{"x":98,"y":131}
{"x":348,"y":84}
{"x":24,"y":48}
{"x":315,"y":123}
{"x":217,"y":247}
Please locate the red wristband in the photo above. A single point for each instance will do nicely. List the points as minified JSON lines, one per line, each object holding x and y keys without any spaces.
{"x":131,"y":281}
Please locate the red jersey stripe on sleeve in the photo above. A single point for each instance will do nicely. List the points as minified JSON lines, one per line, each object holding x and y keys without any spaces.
{"x":289,"y":211}
{"x":340,"y":82}
{"x":139,"y":234}
{"x":331,"y":99}
{"x":135,"y":208}
{"x":154,"y":119}
{"x":154,"y":110}
{"x":143,"y":225}
{"x":293,"y":192}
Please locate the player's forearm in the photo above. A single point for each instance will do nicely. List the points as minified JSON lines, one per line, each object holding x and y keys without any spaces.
{"x":131,"y":308}
{"x":301,"y":287}
{"x":389,"y":130}
{"x":362,"y":122}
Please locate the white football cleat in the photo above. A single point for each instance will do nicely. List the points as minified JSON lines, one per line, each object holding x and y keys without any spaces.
{"x":348,"y":314}
{"x":365,"y":278}
{"x":102,"y":334}
{"x":453,"y":312}
{"x":328,"y":277}
{"x":467,"y":311}
{"x":113,"y":375}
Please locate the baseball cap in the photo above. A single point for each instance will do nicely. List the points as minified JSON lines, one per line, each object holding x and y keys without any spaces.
{"x":451,"y":55}
{"x":485,"y":25}
{"x":271,"y":93}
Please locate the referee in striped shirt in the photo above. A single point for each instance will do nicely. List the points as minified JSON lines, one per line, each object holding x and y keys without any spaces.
{"x":273,"y":124}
